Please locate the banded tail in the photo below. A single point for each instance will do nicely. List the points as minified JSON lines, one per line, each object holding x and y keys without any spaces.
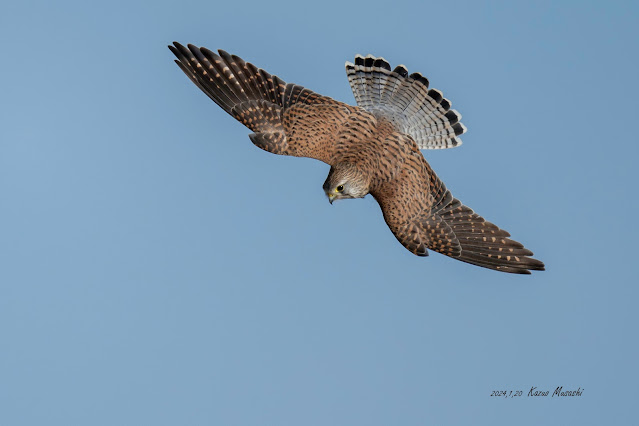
{"x":406,"y":101}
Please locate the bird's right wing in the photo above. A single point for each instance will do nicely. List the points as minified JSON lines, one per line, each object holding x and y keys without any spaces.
{"x":406,"y":101}
{"x":423,"y":214}
{"x":286,"y":119}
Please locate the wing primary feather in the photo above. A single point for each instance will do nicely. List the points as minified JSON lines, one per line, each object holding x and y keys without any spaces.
{"x":241,"y":78}
{"x":264,"y":102}
{"x":202,"y":74}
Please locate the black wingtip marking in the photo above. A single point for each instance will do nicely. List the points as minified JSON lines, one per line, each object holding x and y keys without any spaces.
{"x":421,"y":251}
{"x":208,"y":53}
{"x":458,"y":128}
{"x":368,"y":62}
{"x":183,"y":50}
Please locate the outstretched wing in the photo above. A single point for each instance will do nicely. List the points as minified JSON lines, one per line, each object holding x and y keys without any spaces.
{"x":286,"y":119}
{"x":424,"y":215}
{"x":406,"y":101}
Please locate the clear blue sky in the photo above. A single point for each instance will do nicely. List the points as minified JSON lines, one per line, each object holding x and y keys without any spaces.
{"x":158,"y":269}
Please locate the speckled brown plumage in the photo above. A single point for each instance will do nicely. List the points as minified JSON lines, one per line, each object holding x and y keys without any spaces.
{"x":373,"y":148}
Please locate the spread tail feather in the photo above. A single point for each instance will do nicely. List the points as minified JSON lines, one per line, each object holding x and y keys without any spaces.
{"x":406,"y":101}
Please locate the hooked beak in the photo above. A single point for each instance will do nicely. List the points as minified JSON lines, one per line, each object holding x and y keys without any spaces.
{"x":331,"y":197}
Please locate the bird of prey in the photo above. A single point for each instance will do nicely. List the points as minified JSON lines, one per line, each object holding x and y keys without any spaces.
{"x":372,"y":148}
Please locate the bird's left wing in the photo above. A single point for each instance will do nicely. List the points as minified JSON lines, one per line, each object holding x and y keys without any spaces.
{"x":286,"y":118}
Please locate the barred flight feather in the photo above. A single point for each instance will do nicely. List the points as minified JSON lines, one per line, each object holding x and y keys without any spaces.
{"x":406,"y":101}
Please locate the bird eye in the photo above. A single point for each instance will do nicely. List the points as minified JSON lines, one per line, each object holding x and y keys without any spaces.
{"x":340,"y":188}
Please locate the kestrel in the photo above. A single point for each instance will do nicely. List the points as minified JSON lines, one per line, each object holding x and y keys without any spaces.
{"x":372,"y":148}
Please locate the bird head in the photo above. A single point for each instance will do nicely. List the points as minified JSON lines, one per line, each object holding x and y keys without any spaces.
{"x":345,"y":181}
